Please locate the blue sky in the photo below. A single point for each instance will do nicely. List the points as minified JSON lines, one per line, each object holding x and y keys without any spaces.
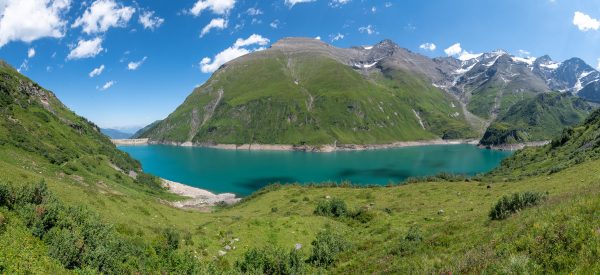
{"x":150,"y":54}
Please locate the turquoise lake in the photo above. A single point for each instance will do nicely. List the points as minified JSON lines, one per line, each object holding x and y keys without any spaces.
{"x":243,"y":172}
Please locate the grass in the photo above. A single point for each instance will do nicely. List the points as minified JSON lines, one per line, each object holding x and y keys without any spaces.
{"x":452,"y":238}
{"x":540,"y":118}
{"x":313,"y":100}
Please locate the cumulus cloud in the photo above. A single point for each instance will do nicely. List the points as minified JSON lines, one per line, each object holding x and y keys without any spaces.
{"x":584,"y":22}
{"x":369,"y":29}
{"x":254,"y":12}
{"x":86,"y":49}
{"x":457,"y":51}
{"x":524,"y":53}
{"x":102,"y":15}
{"x":97,"y":71}
{"x":217,"y":23}
{"x":216,"y":6}
{"x":132,"y":66}
{"x":30,"y":53}
{"x":107,"y":85}
{"x":150,"y":21}
{"x":30,"y":20}
{"x":239,"y":48}
{"x":274,"y":24}
{"x":336,"y":37}
{"x":291,"y":3}
{"x":428,"y":46}
{"x":338,"y":3}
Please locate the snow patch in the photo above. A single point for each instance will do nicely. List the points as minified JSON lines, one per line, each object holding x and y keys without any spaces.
{"x":367,"y":47}
{"x":551,"y":66}
{"x":529,"y":60}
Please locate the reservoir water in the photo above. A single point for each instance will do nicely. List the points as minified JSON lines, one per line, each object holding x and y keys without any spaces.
{"x":243,"y":172}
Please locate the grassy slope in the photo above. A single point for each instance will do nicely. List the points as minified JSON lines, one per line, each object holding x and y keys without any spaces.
{"x":461,"y":239}
{"x":262,"y":104}
{"x":540,"y":118}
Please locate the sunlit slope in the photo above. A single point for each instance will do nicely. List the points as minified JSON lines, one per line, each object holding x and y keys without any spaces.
{"x":273,"y":97}
{"x":542,"y":117}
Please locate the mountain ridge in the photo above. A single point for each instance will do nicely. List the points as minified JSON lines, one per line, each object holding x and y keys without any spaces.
{"x":446,"y":97}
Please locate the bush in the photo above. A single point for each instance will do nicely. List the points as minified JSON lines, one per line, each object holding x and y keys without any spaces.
{"x":362,"y":215}
{"x":331,"y":208}
{"x":271,"y":260}
{"x":509,"y":205}
{"x":326,"y":247}
{"x":409,"y":243}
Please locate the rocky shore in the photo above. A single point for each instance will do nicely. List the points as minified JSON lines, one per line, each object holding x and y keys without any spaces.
{"x":320,"y":148}
{"x":199,"y":199}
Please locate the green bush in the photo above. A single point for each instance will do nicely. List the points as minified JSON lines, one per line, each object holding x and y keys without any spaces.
{"x":509,"y":205}
{"x":271,"y":260}
{"x":326,"y":247}
{"x":409,"y":243}
{"x":331,"y":208}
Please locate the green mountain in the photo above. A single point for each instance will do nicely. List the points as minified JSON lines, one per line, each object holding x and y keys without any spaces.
{"x":69,"y":205}
{"x":306,"y":92}
{"x":542,"y":117}
{"x":302,"y":91}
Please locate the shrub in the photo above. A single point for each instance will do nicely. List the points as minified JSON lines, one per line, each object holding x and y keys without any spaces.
{"x":362,"y":215}
{"x":509,"y":205}
{"x":326,"y":247}
{"x":271,"y":260}
{"x":409,"y":243}
{"x":331,"y":208}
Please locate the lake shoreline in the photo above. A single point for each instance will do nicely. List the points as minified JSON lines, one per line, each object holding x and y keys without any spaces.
{"x":516,"y":146}
{"x":199,"y":199}
{"x":303,"y":148}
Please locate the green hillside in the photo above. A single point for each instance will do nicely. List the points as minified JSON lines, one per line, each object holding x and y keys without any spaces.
{"x":274,"y":97}
{"x":66,"y":207}
{"x":540,"y":118}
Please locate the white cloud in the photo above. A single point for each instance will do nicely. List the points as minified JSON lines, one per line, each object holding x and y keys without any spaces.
{"x":369,"y":29}
{"x":254,"y":12}
{"x":217,"y":23}
{"x":239,"y":48}
{"x":102,"y":15}
{"x":107,"y":85}
{"x":336,"y":37}
{"x":29,"y":20}
{"x":291,"y":3}
{"x":31,"y":53}
{"x":251,"y":40}
{"x":149,"y":21}
{"x":274,"y":24}
{"x":456,"y":50}
{"x":524,"y":53}
{"x":132,"y":66}
{"x":216,"y":6}
{"x":388,"y":4}
{"x":373,"y":9}
{"x":318,"y":38}
{"x":86,"y":49}
{"x":453,"y":50}
{"x":338,"y":3}
{"x":584,"y":22}
{"x":97,"y":71}
{"x":428,"y":46}
{"x":598,"y":66}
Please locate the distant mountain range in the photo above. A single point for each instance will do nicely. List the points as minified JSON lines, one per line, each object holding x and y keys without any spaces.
{"x":115,"y":134}
{"x":304,"y":91}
